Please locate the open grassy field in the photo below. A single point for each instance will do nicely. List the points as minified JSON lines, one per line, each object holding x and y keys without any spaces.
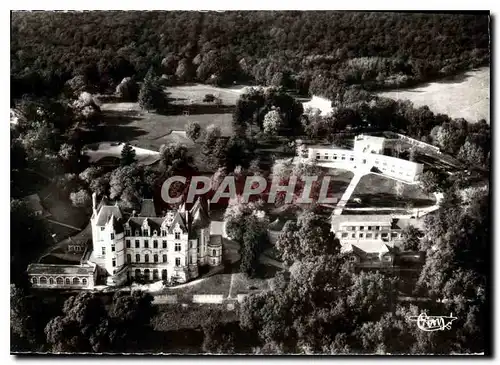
{"x":466,"y":96}
{"x":379,"y":191}
{"x":187,"y":94}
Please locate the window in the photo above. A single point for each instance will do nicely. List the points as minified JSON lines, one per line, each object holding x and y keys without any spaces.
{"x":164,"y":258}
{"x":353,"y":228}
{"x":164,"y":243}
{"x":353,"y":235}
{"x":177,"y":246}
{"x":51,"y":281}
{"x":112,"y":248}
{"x":113,"y":262}
{"x":177,"y":261}
{"x":112,"y":236}
{"x":146,"y":244}
{"x":394,"y":235}
{"x":163,"y":233}
{"x":352,"y":158}
{"x":177,"y":235}
{"x":146,"y":274}
{"x":76,"y":281}
{"x":361,"y":235}
{"x":376,"y":235}
{"x":377,"y":228}
{"x":137,"y":258}
{"x":369,"y":228}
{"x":164,"y":275}
{"x":214,"y":252}
{"x":155,"y":258}
{"x":103,"y":251}
{"x":136,"y":243}
{"x":137,"y":233}
{"x":34,"y":280}
{"x":352,"y":258}
{"x":155,"y":274}
{"x":155,"y":243}
{"x":43,"y":280}
{"x":144,"y":232}
{"x":384,"y":235}
{"x":146,"y":258}
{"x":334,"y":157}
{"x":137,"y":273}
{"x":345,"y":234}
{"x":128,"y":243}
{"x":369,"y":235}
{"x":155,"y":233}
{"x":59,"y":281}
{"x":67,"y":281}
{"x":102,"y":228}
{"x":343,"y":157}
{"x":361,"y":228}
{"x":84,"y":281}
{"x":127,"y":232}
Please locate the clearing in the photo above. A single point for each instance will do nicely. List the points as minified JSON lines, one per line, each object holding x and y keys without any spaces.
{"x":195,"y":94}
{"x":465,"y":96}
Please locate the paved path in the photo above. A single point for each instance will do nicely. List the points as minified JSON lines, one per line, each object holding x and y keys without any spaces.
{"x":347,"y":193}
{"x":63,"y":224}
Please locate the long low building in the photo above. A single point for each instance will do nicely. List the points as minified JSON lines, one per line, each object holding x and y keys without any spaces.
{"x":62,"y":276}
{"x":366,"y":155}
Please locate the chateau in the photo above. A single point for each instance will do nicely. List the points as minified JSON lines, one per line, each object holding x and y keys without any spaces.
{"x":141,"y":247}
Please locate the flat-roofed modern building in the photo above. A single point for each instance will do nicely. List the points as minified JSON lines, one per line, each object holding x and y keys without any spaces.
{"x":366,"y":156}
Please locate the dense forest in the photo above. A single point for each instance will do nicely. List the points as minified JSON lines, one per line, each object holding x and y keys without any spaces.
{"x":313,"y":52}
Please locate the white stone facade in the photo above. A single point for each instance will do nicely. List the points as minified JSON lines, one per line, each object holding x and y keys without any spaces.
{"x":151,"y":248}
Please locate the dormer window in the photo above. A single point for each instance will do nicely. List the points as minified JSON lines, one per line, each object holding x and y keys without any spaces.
{"x":163,"y":232}
{"x":102,"y":228}
{"x":177,"y":235}
{"x":137,"y":233}
{"x":144,"y":232}
{"x":112,"y":236}
{"x":127,"y":232}
{"x":155,"y":233}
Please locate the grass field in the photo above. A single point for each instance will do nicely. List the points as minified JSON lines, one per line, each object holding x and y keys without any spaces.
{"x":195,"y":93}
{"x":379,"y":191}
{"x":466,"y":96}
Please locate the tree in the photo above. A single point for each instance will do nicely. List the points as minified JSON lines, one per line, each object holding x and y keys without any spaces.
{"x":430,"y":182}
{"x":309,"y":237}
{"x":411,"y":238}
{"x":253,"y":242}
{"x":219,"y":337}
{"x":147,"y":92}
{"x":193,"y":130}
{"x":175,"y":156}
{"x":27,"y":233}
{"x":471,"y":154}
{"x":127,"y":90}
{"x":127,"y":155}
{"x":272,"y":122}
{"x":81,"y":199}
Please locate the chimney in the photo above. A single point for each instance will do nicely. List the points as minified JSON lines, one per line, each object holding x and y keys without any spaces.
{"x":134,"y":213}
{"x":94,"y":201}
{"x":208,"y":205}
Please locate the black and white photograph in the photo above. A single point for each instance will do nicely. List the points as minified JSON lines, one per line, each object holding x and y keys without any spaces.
{"x":250,"y":182}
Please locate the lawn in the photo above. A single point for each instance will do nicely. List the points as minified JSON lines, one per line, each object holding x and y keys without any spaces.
{"x":127,"y":122}
{"x":378,"y":191}
{"x":466,"y":96}
{"x":187,"y":94}
{"x":217,"y":284}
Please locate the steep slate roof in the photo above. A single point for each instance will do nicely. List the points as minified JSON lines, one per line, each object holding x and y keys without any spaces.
{"x":147,"y":208}
{"x":105,"y":213}
{"x":199,"y":214}
{"x":155,"y":223}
